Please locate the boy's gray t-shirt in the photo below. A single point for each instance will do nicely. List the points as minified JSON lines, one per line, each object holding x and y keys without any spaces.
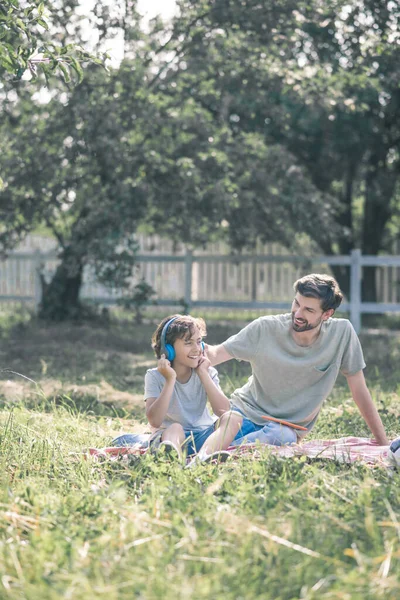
{"x":289,"y":381}
{"x":188,"y":404}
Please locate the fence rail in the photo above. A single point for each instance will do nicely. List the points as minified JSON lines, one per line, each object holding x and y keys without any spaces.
{"x":214,"y":280}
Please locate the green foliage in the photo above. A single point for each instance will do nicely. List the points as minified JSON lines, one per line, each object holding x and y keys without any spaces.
{"x":24,"y":45}
{"x":321,"y":82}
{"x":76,"y":176}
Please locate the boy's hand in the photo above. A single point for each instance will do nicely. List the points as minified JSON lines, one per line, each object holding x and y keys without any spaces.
{"x":164,"y":367}
{"x":203,"y":365}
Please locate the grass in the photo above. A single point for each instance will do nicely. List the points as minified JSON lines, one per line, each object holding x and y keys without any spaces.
{"x":272,"y":528}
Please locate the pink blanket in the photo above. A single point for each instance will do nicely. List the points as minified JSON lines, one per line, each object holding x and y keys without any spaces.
{"x":344,"y":450}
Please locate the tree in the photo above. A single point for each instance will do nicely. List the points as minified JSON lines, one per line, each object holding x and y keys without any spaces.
{"x":95,"y":167}
{"x":64,"y":166}
{"x":67,"y":164}
{"x":319,"y":79}
{"x":262,"y":191}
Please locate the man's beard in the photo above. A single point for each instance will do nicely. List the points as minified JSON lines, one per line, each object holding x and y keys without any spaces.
{"x":306,"y":325}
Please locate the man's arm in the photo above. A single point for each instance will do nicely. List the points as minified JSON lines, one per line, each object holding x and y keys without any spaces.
{"x":367,"y":408}
{"x":217,"y":354}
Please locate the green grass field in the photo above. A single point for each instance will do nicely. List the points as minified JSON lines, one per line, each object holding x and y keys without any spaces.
{"x":272,"y":528}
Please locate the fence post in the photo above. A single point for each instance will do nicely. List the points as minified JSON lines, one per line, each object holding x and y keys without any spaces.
{"x":37,"y":284}
{"x":355,"y":289}
{"x":254,"y":281}
{"x":188,"y":279}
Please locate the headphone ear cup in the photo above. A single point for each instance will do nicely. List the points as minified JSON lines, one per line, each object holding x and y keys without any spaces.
{"x":170,"y":352}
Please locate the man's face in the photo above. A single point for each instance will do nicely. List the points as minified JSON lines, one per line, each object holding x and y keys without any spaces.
{"x":307,"y":313}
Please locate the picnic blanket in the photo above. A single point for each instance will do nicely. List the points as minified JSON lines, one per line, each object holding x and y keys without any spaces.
{"x":343,"y":450}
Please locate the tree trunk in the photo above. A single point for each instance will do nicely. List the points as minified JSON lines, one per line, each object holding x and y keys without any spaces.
{"x":340,"y":272}
{"x":60,"y":297}
{"x":345,"y":240}
{"x":379,"y":189}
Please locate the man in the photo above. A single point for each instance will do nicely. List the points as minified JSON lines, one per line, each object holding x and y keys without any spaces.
{"x":295,"y":360}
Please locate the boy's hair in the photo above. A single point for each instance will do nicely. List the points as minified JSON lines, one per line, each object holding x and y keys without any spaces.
{"x":323,"y":287}
{"x":181,"y":328}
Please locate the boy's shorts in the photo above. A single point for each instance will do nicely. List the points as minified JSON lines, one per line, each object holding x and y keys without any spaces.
{"x":271,"y":433}
{"x":194,"y":439}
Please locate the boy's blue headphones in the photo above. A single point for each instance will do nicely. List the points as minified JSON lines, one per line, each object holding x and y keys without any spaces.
{"x":168,"y":349}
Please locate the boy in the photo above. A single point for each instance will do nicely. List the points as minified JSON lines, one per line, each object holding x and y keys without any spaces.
{"x":176,"y":392}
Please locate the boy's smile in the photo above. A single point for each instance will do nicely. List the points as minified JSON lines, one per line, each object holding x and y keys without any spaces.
{"x":188,"y":350}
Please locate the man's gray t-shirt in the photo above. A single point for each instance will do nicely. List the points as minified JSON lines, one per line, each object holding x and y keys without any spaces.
{"x":188,"y":404}
{"x":288,"y":381}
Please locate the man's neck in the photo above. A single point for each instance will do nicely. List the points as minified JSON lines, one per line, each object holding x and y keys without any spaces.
{"x":306,"y":338}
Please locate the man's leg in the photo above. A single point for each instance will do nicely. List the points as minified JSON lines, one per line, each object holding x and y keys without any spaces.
{"x":247,"y":428}
{"x":274,"y":434}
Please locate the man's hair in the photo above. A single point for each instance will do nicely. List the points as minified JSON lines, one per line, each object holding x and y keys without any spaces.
{"x":181,"y":328}
{"x":323,"y":287}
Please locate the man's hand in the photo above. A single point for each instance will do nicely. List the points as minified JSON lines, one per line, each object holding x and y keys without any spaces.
{"x":164,"y":367}
{"x":216,"y":354}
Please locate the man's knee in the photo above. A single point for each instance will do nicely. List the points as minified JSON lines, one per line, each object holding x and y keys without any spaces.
{"x":280,"y":436}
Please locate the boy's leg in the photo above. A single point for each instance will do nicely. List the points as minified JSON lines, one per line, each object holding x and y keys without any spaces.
{"x":228,"y":427}
{"x":195,"y":439}
{"x":175,"y":435}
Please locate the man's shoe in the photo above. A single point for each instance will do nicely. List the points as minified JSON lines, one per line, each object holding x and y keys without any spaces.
{"x":394,"y":453}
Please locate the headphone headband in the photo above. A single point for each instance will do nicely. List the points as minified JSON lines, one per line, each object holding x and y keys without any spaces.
{"x":164,"y":335}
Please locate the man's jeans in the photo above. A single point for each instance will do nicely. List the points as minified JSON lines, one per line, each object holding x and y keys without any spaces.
{"x":271,"y":433}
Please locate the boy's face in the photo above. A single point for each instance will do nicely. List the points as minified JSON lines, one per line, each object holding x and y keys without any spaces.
{"x":188,"y":350}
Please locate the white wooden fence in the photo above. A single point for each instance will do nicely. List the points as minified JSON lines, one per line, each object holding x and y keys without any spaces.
{"x":203,"y":280}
